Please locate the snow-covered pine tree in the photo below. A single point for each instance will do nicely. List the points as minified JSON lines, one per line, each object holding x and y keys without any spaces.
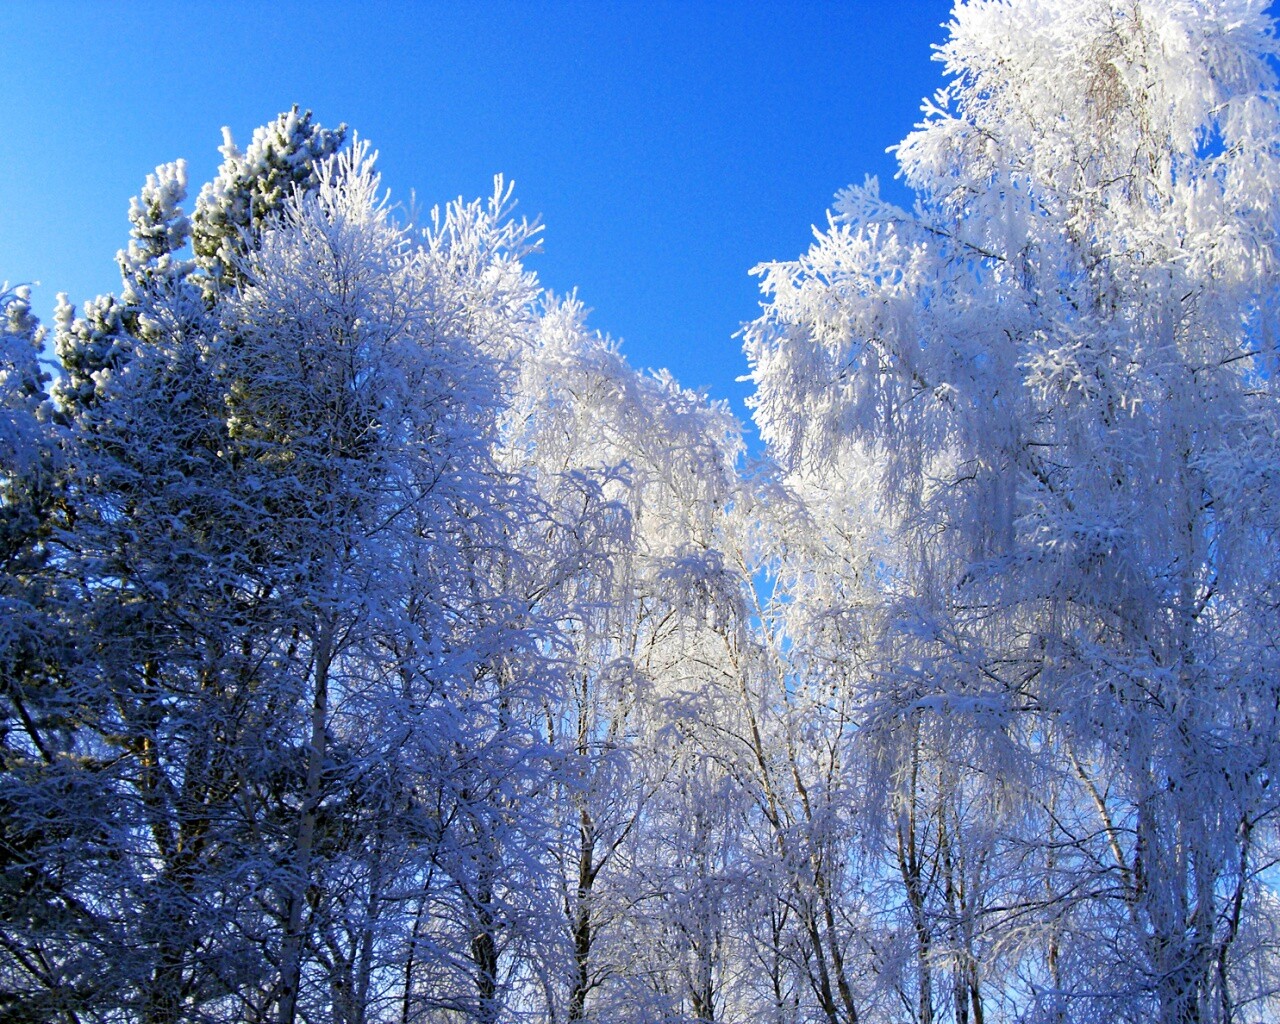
{"x":278,"y":524}
{"x":253,"y":185}
{"x":179,"y":643}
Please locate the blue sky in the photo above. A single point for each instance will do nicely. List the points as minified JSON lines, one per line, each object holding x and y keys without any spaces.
{"x":667,"y":147}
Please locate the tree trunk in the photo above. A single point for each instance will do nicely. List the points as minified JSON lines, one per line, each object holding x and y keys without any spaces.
{"x":291,"y":950}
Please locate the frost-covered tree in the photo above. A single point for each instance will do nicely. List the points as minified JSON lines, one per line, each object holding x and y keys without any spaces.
{"x":363,"y":374}
{"x":634,"y":474}
{"x":789,"y":711}
{"x":475,"y":765}
{"x":43,"y":970}
{"x":283,"y":157}
{"x":180,"y":665}
{"x":1059,"y":372}
{"x":273,"y":766}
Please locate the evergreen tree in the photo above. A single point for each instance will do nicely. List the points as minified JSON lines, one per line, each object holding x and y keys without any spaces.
{"x":251,"y":186}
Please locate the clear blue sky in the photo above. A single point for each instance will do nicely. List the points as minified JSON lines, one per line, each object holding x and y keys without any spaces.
{"x":667,"y":146}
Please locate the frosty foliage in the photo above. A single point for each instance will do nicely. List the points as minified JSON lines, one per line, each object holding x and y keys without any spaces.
{"x":22,"y":382}
{"x":160,"y":231}
{"x":1053,"y":370}
{"x":636,"y":475}
{"x":377,"y":645}
{"x":250,"y":187}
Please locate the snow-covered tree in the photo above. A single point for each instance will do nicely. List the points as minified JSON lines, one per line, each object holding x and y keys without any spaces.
{"x":1059,"y":372}
{"x":180,"y":666}
{"x":634,"y":474}
{"x":41,"y":920}
{"x":251,"y":186}
{"x":278,"y":539}
{"x":364,"y":371}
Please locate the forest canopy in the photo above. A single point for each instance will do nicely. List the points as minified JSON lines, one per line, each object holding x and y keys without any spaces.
{"x":377,"y":645}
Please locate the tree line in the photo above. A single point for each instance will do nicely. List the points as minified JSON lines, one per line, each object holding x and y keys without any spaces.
{"x":377,"y":645}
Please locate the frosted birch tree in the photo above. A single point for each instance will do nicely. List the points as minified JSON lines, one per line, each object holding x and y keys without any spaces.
{"x":635,"y":473}
{"x":1058,"y":369}
{"x":365,"y":373}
